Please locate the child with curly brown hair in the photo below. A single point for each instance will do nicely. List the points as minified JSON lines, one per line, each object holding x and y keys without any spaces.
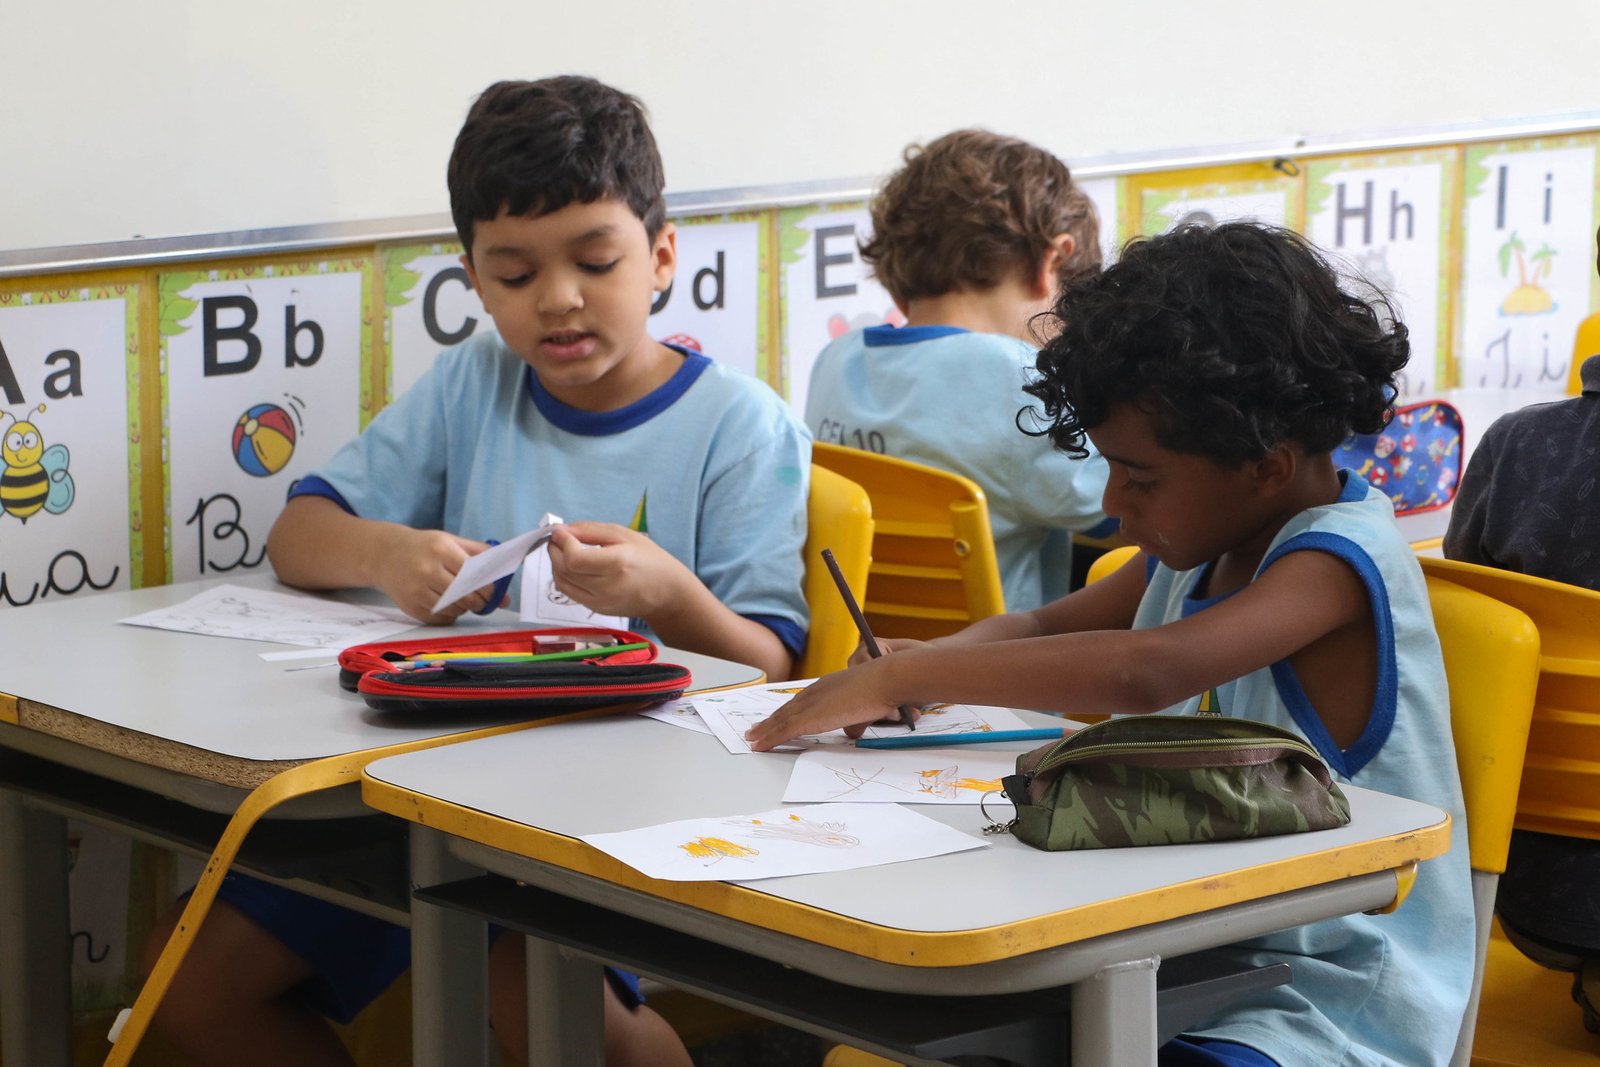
{"x":973,"y":237}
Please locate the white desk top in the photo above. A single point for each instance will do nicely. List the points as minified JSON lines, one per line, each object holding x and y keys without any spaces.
{"x":217,"y":694}
{"x":553,"y":784}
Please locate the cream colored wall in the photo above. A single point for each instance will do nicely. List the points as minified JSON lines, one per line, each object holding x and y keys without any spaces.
{"x":183,"y":116}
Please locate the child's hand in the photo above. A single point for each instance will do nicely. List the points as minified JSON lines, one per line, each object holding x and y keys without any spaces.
{"x":851,"y":699}
{"x":886,"y":645}
{"x":416,"y":566}
{"x":613,"y":570}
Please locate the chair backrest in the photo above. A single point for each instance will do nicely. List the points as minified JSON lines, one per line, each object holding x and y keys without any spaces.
{"x":1109,"y":561}
{"x":1584,"y":345}
{"x":1561,"y":781}
{"x":1491,"y":664}
{"x":839,"y":517}
{"x":934,"y":568}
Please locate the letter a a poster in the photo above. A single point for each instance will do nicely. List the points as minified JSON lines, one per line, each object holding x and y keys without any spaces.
{"x":69,"y":502}
{"x":264,"y":376}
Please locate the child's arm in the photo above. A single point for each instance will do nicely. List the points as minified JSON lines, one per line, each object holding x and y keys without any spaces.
{"x":316,"y":544}
{"x":616,"y":571}
{"x":1300,"y":599}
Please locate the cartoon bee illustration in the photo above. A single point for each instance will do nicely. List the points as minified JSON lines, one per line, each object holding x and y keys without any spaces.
{"x":34,"y":476}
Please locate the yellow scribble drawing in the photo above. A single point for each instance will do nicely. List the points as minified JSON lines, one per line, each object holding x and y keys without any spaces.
{"x":943,"y":782}
{"x":1529,"y":297}
{"x":717,"y":848}
{"x":791,"y":691}
{"x":804,"y":831}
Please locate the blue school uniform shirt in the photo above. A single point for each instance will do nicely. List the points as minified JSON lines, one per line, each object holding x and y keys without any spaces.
{"x":948,"y":398}
{"x":1385,"y":989}
{"x":712,"y":465}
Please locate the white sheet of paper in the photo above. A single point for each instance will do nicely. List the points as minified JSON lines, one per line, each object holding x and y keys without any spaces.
{"x":543,"y":603}
{"x":903,"y":776}
{"x":809,"y":839}
{"x":677,"y":713}
{"x":264,"y":615}
{"x":731,"y":712}
{"x":492,"y":564}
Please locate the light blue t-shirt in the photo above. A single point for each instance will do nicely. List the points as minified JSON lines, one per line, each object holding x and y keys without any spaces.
{"x":1367,"y":989}
{"x":712,"y":465}
{"x":949,"y":398}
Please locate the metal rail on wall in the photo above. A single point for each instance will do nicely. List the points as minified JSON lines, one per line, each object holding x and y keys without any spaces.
{"x":151,"y":251}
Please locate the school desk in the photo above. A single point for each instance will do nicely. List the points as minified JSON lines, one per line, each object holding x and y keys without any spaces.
{"x":975,"y":953}
{"x":164,"y":734}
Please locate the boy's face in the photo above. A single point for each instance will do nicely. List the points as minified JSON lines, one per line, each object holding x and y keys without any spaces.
{"x":1183,"y":509}
{"x":570,"y":293}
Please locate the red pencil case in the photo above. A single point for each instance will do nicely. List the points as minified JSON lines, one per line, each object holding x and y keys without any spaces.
{"x":594,"y":678}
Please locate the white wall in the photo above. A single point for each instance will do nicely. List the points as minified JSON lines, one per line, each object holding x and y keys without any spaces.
{"x":164,"y":117}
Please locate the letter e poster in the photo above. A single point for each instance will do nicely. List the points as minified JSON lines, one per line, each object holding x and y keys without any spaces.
{"x":827,"y":289}
{"x":264,"y":366}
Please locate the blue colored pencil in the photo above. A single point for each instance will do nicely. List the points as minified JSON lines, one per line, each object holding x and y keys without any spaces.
{"x":977,"y":737}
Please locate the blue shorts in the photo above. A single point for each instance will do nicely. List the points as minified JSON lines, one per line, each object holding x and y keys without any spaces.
{"x":1206,"y":1052}
{"x":355,"y":956}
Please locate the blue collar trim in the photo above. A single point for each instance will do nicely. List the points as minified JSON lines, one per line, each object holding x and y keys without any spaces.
{"x":602,"y":423}
{"x":887,"y":336}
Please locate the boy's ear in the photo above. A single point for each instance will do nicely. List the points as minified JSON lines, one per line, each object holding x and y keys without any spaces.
{"x":1276,"y":470}
{"x":472,"y":275}
{"x":1062,"y":245}
{"x":665,"y":253}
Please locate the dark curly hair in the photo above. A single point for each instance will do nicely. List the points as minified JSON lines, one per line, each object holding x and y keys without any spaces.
{"x":972,"y":209}
{"x":533,"y":147}
{"x":1235,"y":338}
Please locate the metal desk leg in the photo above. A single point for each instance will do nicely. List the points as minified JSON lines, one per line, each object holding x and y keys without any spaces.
{"x":35,"y":950}
{"x":449,"y":966}
{"x":1114,"y":1016}
{"x":566,"y":1008}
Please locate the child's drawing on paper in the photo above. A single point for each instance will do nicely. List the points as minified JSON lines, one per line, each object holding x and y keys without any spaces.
{"x":769,"y":844}
{"x":717,"y":849}
{"x":906,"y":776}
{"x":730,"y":713}
{"x":803,"y":831}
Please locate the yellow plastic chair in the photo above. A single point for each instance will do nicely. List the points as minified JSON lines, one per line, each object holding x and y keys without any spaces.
{"x":1584,"y":345}
{"x":839,"y":515}
{"x":1491,"y":663}
{"x":1110,"y":562}
{"x":933,"y":561}
{"x":1526,"y":1016}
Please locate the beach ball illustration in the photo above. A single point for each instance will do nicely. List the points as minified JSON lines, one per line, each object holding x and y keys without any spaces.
{"x":263,"y":440}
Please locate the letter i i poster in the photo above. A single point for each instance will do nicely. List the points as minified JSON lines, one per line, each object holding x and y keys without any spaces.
{"x":69,"y":430}
{"x":827,"y":289}
{"x":429,"y":305}
{"x":1386,"y":222}
{"x":1527,"y":265}
{"x":263,"y":371}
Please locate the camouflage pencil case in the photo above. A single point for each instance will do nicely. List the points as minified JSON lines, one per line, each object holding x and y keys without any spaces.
{"x":1171,"y":779}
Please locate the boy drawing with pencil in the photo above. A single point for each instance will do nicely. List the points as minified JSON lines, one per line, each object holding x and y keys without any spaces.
{"x":692,"y":477}
{"x":1216,"y":369}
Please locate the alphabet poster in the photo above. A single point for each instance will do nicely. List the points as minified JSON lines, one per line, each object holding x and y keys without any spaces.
{"x":717,"y":300}
{"x":1527,"y":264}
{"x":69,"y":430}
{"x":1161,"y":208}
{"x":429,"y":305}
{"x":1103,"y":193}
{"x":1385,"y":221}
{"x":827,"y":289}
{"x":264,"y":366}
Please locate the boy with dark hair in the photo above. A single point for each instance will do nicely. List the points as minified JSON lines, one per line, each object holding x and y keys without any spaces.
{"x":1216,"y":369}
{"x":1528,"y":503}
{"x":568,"y":406}
{"x":972,"y":237}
